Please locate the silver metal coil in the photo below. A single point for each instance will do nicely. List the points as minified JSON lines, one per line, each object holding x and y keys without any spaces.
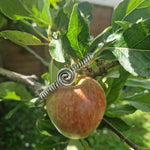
{"x":66,"y":76}
{"x":83,"y":62}
{"x":49,"y":89}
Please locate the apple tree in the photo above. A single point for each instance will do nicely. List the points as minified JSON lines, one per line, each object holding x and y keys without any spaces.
{"x":121,"y":60}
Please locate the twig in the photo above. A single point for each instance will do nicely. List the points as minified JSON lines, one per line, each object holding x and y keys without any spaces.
{"x":122,"y":137}
{"x":26,"y":80}
{"x":103,"y":68}
{"x":45,"y":63}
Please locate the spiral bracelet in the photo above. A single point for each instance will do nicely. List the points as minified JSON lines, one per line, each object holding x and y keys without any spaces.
{"x":66,"y":76}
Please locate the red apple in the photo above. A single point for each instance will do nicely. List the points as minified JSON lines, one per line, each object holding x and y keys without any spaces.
{"x":77,"y":110}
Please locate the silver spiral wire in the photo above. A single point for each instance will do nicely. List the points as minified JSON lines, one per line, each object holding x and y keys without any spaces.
{"x":82,"y":63}
{"x":49,"y":89}
{"x":66,"y":76}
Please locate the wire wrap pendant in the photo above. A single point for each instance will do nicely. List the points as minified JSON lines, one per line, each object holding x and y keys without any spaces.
{"x":66,"y":76}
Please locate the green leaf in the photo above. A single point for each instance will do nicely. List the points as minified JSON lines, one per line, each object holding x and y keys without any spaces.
{"x":14,"y":91}
{"x":3,"y":21}
{"x":96,"y":41}
{"x":78,"y":34}
{"x":140,"y":101}
{"x":132,"y":48}
{"x":53,"y":2}
{"x":68,"y":7}
{"x":60,"y":21}
{"x":131,"y":11}
{"x":142,"y":83}
{"x":86,"y":9}
{"x":74,"y":145}
{"x":21,"y":38}
{"x":107,"y":55}
{"x":53,"y":70}
{"x":56,"y":50}
{"x":46,"y":78}
{"x":120,"y":111}
{"x":15,"y":109}
{"x":11,"y":95}
{"x":51,"y":143}
{"x":123,"y":24}
{"x":46,"y":127}
{"x":36,"y":10}
{"x":115,"y":85}
{"x":118,"y":123}
{"x":86,"y":145}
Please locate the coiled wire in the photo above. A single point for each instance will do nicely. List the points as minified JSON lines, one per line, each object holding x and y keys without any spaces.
{"x":66,"y":76}
{"x":82,"y":63}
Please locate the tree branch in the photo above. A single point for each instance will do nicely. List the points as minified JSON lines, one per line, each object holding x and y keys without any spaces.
{"x":122,"y":137}
{"x":26,"y":80}
{"x":104,"y":67}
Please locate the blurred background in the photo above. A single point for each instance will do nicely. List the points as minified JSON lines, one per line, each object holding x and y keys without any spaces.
{"x":17,"y":124}
{"x":15,"y":58}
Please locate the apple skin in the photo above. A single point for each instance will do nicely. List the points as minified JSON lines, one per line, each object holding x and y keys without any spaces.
{"x":77,"y":110}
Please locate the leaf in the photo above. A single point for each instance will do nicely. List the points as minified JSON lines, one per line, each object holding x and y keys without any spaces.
{"x":96,"y":41}
{"x":131,"y":11}
{"x":36,"y":10}
{"x":86,"y":145}
{"x":56,"y":50}
{"x":120,"y":111}
{"x":123,"y":24}
{"x":11,"y":95}
{"x":46,"y":127}
{"x":60,"y":21}
{"x":3,"y":21}
{"x":115,"y":85}
{"x":132,"y":48}
{"x":142,"y":83}
{"x":86,"y":9}
{"x":118,"y":123}
{"x":46,"y":78}
{"x":74,"y":145}
{"x":140,"y":101}
{"x":53,"y":70}
{"x":11,"y":112}
{"x":78,"y":34}
{"x":68,"y":7}
{"x":14,"y":91}
{"x":53,"y":2}
{"x":51,"y":143}
{"x":107,"y":55}
{"x":21,"y":38}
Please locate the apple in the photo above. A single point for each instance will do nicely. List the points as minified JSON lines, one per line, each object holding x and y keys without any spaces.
{"x":78,"y":109}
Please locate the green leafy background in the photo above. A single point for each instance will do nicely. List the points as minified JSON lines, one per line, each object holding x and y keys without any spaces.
{"x":68,"y":40}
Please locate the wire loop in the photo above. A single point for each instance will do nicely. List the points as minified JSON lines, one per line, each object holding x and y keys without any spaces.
{"x":66,"y":76}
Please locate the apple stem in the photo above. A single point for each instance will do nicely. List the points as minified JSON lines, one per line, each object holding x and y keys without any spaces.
{"x":104,"y":67}
{"x":122,"y":137}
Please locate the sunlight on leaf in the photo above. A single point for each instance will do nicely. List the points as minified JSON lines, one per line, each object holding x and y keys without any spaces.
{"x":74,"y":145}
{"x":21,"y":38}
{"x":53,"y":2}
{"x":11,"y":95}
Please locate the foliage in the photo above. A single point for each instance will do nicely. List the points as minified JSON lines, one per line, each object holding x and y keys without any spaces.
{"x":66,"y":23}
